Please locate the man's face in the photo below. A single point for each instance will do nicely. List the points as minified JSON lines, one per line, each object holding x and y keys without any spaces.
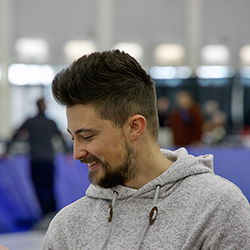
{"x":102,"y":146}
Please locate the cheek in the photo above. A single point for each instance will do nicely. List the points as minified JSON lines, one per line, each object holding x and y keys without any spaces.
{"x":112,"y":148}
{"x":117,"y":143}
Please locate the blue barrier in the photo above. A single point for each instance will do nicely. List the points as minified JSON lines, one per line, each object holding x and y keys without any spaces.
{"x":19,"y":208}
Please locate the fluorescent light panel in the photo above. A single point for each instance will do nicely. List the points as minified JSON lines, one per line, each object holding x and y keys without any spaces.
{"x":215,"y":54}
{"x":244,"y":55}
{"x":23,"y":74}
{"x":32,"y":50}
{"x":133,"y":49}
{"x":169,"y":72}
{"x":169,"y":54}
{"x":215,"y":72}
{"x":74,"y":49}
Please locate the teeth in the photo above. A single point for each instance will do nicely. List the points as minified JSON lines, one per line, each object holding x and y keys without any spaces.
{"x":91,"y":164}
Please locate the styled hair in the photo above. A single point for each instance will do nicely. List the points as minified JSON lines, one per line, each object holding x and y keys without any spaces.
{"x":114,"y":83}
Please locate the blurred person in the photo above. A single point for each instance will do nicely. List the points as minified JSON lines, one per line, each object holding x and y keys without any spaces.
{"x":41,"y":134}
{"x":245,"y":131}
{"x":209,"y":108}
{"x":163,"y":108}
{"x":165,"y":138}
{"x":141,"y":196}
{"x":186,"y":121}
{"x":247,"y":120}
{"x":215,"y":123}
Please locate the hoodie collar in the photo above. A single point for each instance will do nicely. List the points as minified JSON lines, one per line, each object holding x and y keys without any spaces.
{"x":184,"y":165}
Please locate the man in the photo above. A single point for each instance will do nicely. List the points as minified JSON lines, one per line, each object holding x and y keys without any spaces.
{"x":140,"y":197}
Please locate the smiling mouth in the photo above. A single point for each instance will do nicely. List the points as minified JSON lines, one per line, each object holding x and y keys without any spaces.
{"x":92,"y":165}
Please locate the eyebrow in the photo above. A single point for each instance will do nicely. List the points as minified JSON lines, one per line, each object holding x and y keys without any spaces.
{"x":82,"y":130}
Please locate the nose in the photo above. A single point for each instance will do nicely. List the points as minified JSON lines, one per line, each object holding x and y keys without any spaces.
{"x":79,"y":151}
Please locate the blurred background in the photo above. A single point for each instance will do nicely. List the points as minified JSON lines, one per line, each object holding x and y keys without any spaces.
{"x":196,"y":51}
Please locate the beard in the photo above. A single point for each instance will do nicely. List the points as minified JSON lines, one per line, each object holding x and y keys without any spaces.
{"x":118,"y":175}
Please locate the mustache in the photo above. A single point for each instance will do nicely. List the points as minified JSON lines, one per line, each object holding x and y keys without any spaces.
{"x":90,"y":159}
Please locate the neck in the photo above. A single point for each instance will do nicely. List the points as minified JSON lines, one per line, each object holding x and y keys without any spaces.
{"x":150,"y":165}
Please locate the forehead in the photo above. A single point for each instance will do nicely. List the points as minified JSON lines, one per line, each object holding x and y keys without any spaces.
{"x":84,"y":117}
{"x":81,"y":112}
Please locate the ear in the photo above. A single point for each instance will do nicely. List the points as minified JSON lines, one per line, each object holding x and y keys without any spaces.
{"x":137,"y":124}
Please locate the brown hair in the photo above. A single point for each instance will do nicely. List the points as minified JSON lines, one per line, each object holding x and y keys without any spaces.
{"x":114,"y":83}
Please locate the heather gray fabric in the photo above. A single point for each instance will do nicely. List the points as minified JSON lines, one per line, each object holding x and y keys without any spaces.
{"x":196,"y":210}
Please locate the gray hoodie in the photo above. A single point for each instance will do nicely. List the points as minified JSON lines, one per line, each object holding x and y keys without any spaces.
{"x":196,"y":210}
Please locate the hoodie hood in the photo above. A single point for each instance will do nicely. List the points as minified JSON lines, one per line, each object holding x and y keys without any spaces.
{"x":184,"y":165}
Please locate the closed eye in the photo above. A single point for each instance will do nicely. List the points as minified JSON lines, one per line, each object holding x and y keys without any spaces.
{"x":87,"y":138}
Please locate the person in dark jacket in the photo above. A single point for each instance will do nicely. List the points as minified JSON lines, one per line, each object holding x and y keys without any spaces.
{"x":41,"y":133}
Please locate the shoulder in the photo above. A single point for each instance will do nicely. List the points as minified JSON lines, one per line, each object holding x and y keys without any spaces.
{"x":218,"y":197}
{"x":66,"y":220}
{"x":72,"y":210}
{"x":78,"y":211}
{"x":226,"y":211}
{"x":210,"y":183}
{"x":218,"y":208}
{"x":210,"y":192}
{"x":74,"y":219}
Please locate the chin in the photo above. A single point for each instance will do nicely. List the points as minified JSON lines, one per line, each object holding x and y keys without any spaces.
{"x":94,"y":177}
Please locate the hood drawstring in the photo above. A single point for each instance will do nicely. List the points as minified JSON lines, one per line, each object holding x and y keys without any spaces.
{"x":111,"y":206}
{"x":110,"y":213}
{"x":152,"y":216}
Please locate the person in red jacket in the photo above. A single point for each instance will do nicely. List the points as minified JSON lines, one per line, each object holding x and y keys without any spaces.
{"x":186,"y":121}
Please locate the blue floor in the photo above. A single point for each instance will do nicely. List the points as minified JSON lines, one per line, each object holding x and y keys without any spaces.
{"x":23,"y":240}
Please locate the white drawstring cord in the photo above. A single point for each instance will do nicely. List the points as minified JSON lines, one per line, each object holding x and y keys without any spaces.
{"x":152,"y":216}
{"x":110,"y":213}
